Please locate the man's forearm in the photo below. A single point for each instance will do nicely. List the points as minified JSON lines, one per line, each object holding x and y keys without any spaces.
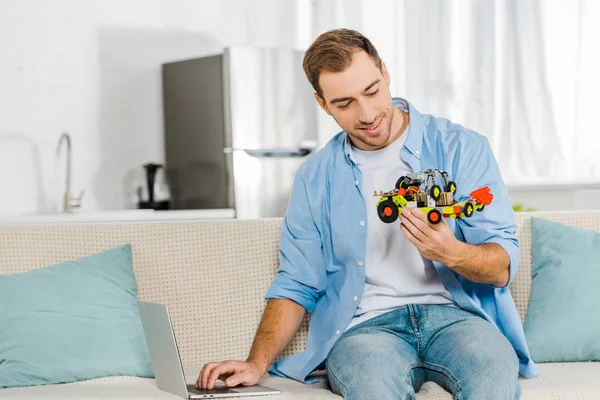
{"x":280,"y":321}
{"x":485,"y":263}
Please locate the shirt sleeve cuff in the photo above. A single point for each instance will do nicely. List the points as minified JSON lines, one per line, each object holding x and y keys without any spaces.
{"x":513,"y":254}
{"x":277,"y":291}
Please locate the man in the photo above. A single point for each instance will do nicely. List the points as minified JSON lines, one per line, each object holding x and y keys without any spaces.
{"x":391,"y":306}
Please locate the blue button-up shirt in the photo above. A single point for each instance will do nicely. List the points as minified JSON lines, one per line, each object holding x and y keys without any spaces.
{"x":324,"y":236}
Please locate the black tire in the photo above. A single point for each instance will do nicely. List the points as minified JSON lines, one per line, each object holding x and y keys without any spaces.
{"x":435,"y":192}
{"x":387,"y":211}
{"x":451,"y":187}
{"x":434,"y":216}
{"x":399,"y":182}
{"x":468,"y":210}
{"x":481,"y":208}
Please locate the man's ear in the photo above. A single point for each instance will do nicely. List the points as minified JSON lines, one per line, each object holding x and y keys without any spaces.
{"x":385,"y":73}
{"x":322,"y":103}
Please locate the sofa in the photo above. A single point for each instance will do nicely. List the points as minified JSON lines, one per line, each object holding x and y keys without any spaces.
{"x":213,"y":274}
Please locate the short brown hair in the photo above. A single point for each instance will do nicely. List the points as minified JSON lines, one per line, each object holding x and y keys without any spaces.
{"x":332,"y":51}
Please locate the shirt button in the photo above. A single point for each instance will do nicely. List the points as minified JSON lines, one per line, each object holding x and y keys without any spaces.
{"x":360,"y":263}
{"x":417,"y":152}
{"x":356,"y":181}
{"x":337,"y":332}
{"x":362,"y":223}
{"x":355,"y":298}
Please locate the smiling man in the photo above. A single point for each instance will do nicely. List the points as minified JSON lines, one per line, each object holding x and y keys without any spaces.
{"x":392,"y":305}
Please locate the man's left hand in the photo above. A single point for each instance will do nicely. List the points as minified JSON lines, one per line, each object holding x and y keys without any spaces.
{"x":434,"y":242}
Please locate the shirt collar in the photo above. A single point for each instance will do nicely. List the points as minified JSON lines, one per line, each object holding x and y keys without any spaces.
{"x":414,"y":140}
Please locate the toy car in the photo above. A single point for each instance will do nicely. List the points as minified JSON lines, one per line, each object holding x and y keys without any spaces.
{"x":420,"y":190}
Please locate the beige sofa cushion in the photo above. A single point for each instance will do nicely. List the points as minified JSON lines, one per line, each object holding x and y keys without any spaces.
{"x":564,"y":381}
{"x":102,"y":389}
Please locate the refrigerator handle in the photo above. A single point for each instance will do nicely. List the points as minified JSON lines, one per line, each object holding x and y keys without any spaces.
{"x":274,"y":152}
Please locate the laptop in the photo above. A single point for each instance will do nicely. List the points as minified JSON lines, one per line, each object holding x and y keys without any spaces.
{"x":166,"y":362}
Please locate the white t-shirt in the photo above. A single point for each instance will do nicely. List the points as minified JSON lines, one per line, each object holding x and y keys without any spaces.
{"x":396,"y":273}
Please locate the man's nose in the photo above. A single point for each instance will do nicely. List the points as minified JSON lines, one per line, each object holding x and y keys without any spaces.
{"x":367,"y":115}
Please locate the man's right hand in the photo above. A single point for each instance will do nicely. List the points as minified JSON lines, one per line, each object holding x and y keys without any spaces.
{"x":233,"y":373}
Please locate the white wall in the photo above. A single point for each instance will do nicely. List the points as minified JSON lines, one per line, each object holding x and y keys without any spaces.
{"x":92,"y":68}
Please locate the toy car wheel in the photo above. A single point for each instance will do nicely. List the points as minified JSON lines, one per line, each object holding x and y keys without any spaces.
{"x":434,"y":216}
{"x":481,"y":208}
{"x":451,"y":187}
{"x":435,"y":192}
{"x":399,"y":182}
{"x":387,"y":211}
{"x":468,"y":209}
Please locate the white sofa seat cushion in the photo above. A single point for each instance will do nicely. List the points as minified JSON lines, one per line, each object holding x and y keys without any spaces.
{"x":557,"y":381}
{"x":564,"y":381}
{"x":110,"y":388}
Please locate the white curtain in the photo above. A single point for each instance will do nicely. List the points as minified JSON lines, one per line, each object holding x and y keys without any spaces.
{"x":524,"y":73}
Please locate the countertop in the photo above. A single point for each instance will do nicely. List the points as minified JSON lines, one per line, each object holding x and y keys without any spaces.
{"x":116,"y":216}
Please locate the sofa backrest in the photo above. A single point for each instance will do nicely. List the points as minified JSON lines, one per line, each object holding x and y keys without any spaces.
{"x":213,"y":274}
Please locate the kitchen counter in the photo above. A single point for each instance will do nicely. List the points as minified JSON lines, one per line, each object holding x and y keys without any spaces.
{"x":116,"y":216}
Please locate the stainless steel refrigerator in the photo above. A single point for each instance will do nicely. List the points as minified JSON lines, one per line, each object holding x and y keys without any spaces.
{"x":237,"y":127}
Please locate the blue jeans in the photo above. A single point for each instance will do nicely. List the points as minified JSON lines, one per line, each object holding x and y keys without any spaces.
{"x":390,"y":356}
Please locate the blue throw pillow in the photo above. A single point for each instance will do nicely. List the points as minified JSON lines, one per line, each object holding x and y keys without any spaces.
{"x":73,"y":321}
{"x":563,"y":318}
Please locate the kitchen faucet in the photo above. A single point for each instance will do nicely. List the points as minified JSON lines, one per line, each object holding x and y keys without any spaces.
{"x":69,"y":202}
